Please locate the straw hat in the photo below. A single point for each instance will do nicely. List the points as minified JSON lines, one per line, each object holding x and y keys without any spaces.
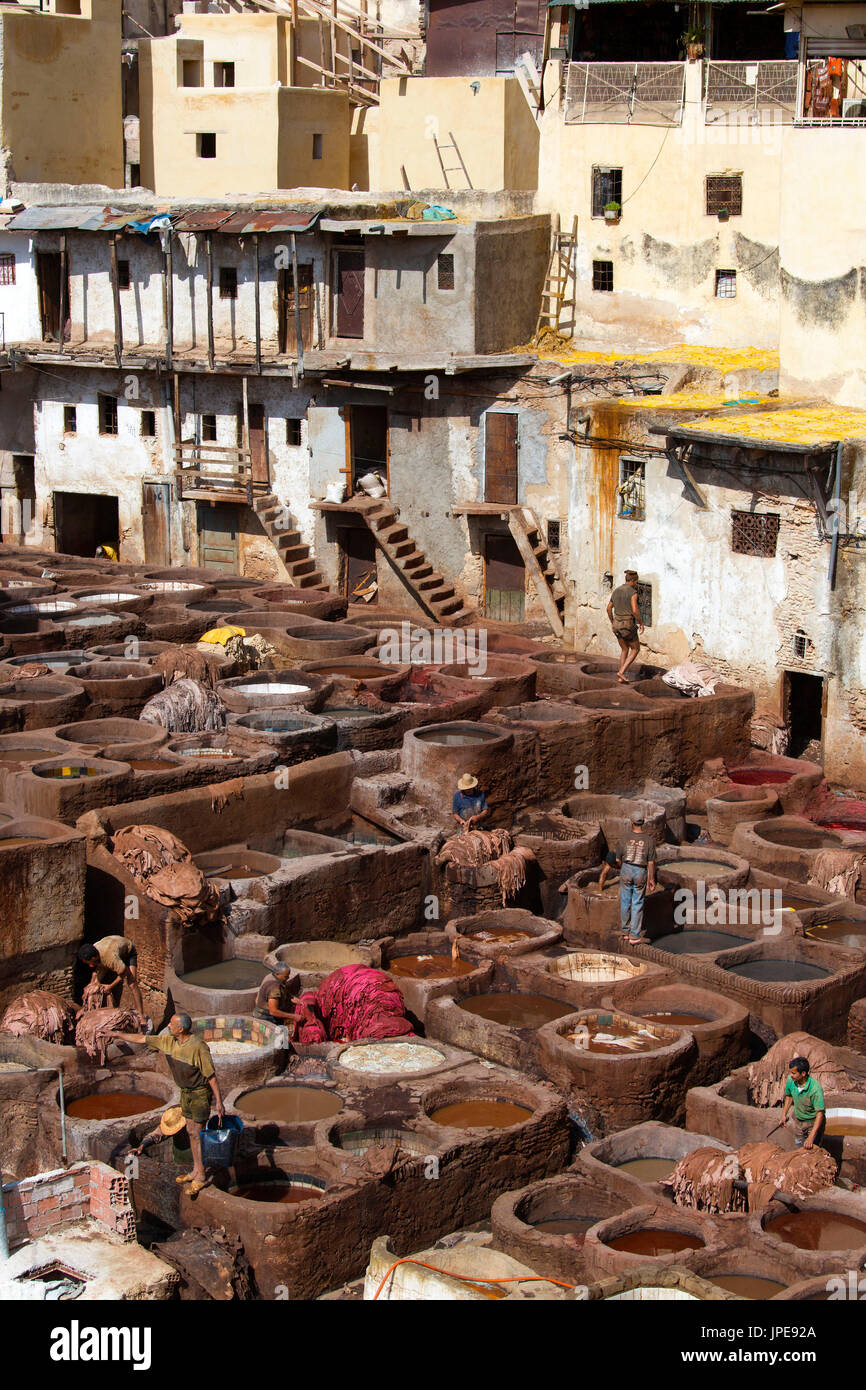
{"x":467,"y":782}
{"x":171,"y":1120}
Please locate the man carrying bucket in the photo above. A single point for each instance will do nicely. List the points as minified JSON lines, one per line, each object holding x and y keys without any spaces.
{"x":192,"y":1069}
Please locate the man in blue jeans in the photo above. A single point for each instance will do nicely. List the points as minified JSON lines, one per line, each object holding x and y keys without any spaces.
{"x":635,"y":856}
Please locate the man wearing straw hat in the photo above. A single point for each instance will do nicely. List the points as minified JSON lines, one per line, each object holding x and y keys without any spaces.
{"x":171,"y":1123}
{"x":469,"y":805}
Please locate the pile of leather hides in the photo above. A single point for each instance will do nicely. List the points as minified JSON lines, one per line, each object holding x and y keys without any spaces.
{"x":162,"y":867}
{"x":40,"y":1014}
{"x":475,"y":847}
{"x":837,"y":871}
{"x":705,"y":1178}
{"x":185,"y":707}
{"x":31,"y":669}
{"x":185,"y":663}
{"x":768,"y":1075}
{"x":354,"y":1002}
{"x":95,"y":1027}
{"x":692,"y":678}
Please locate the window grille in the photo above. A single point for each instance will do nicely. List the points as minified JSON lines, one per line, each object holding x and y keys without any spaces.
{"x":602,"y":276}
{"x":293,"y":431}
{"x":631,"y":493}
{"x":754,"y":533}
{"x":107,"y":414}
{"x":726,"y":284}
{"x":606,"y":188}
{"x":228,"y":282}
{"x":445,"y":271}
{"x":645,"y":603}
{"x":724,"y":193}
{"x":554,"y":535}
{"x":7,"y":269}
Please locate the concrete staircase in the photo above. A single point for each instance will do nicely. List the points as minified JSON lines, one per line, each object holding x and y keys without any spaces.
{"x":543,"y":570}
{"x":294,"y":554}
{"x":431,"y":590}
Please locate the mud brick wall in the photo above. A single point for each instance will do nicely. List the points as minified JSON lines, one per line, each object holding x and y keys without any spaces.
{"x":42,"y":917}
{"x":37,"y":1206}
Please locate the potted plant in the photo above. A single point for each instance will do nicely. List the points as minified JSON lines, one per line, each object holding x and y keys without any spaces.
{"x":612,"y":211}
{"x":694,"y":44}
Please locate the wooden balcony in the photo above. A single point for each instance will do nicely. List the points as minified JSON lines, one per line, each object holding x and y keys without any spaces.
{"x":209,"y":472}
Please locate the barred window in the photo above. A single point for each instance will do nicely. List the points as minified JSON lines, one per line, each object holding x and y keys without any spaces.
{"x":726,"y":284}
{"x":70,"y":419}
{"x":228,"y":282}
{"x":631,"y":493}
{"x":554,"y":535}
{"x":754,"y":533}
{"x":445,"y":271}
{"x":107,"y":414}
{"x":602,"y":276}
{"x":606,"y":188}
{"x":645,"y":603}
{"x":7,"y":269}
{"x":293,"y":431}
{"x":725,"y":194}
{"x":208,"y":429}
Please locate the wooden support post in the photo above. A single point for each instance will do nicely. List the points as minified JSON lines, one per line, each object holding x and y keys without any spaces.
{"x":209,"y":260}
{"x":64,"y":274}
{"x":115,"y":294}
{"x":258,"y":304}
{"x":297,"y":287}
{"x":245,"y":438}
{"x":168,"y":299}
{"x":334,"y":42}
{"x":293,"y":45}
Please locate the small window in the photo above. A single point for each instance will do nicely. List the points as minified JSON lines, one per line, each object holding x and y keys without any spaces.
{"x":606,"y":188}
{"x":801,"y":645}
{"x":754,"y":533}
{"x":602,"y":276}
{"x":554,"y":535}
{"x":726,"y":284}
{"x":135,"y":175}
{"x":228,"y":282}
{"x":445,"y":271}
{"x":123,"y":281}
{"x":148,"y":424}
{"x":208,"y":429}
{"x":7,"y":269}
{"x":293,"y":431}
{"x":192,"y":76}
{"x":224,"y":74}
{"x":631,"y":494}
{"x":70,"y":419}
{"x":317,"y":147}
{"x":724,"y":194}
{"x":107,"y":414}
{"x":645,"y":604}
{"x":206,"y":145}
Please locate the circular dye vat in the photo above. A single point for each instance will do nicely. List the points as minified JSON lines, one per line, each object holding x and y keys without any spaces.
{"x":502,"y":936}
{"x":270,"y":688}
{"x":565,"y":1226}
{"x":289,"y":1104}
{"x":42,"y":606}
{"x":390,"y":1057}
{"x":516,"y":1010}
{"x":354,"y":673}
{"x":777,"y":971}
{"x":615,"y":1038}
{"x":69,"y":773}
{"x":845,"y":931}
{"x":798,"y":837}
{"x":340,"y":712}
{"x":759,"y":776}
{"x":112,"y":1105}
{"x":13,"y":841}
{"x":696,"y":943}
{"x":206,"y":753}
{"x":746,"y":1285}
{"x":648,"y":1169}
{"x":845,"y":1122}
{"x":675,"y":1020}
{"x":480,"y":1114}
{"x":237,"y":973}
{"x":289,"y":1193}
{"x":793,"y":904}
{"x":326,"y":955}
{"x":655,"y":1241}
{"x":818,"y":1230}
{"x":269,"y":724}
{"x":92,"y":620}
{"x":456,"y":738}
{"x":25,"y":755}
{"x":699,"y":868}
{"x":428,"y":967}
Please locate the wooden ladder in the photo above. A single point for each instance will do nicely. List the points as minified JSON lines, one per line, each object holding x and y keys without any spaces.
{"x":560,"y":270}
{"x":455,"y":168}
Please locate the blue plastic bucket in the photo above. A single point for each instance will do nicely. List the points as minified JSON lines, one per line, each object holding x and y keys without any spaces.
{"x":219,"y":1142}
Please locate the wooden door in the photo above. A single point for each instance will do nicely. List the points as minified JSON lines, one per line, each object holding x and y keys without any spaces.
{"x":218,"y":536}
{"x":500,"y":457}
{"x":258,"y":444}
{"x":504,"y":580}
{"x":359,"y":555}
{"x":287,"y":327}
{"x":349,"y":290}
{"x":156,"y":522}
{"x":48,"y":267}
{"x":368,"y":441}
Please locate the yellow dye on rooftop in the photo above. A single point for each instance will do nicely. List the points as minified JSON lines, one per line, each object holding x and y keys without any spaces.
{"x":812,"y":428}
{"x":723,"y":359}
{"x":694,"y":400}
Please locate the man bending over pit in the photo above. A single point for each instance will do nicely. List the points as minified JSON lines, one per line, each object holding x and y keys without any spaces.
{"x":192,"y":1069}
{"x":624,"y":616}
{"x":113,"y":961}
{"x":469,"y":804}
{"x":274,"y":996}
{"x":806,"y":1096}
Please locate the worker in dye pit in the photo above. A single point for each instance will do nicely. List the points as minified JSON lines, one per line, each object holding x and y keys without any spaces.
{"x":192,"y":1069}
{"x":624,"y":617}
{"x":469,"y":805}
{"x":635,"y":857}
{"x":806,"y":1096}
{"x":106,"y":552}
{"x":113,"y":961}
{"x":274,"y":996}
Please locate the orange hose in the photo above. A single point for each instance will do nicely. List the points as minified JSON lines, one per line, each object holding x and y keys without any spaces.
{"x":471,"y":1278}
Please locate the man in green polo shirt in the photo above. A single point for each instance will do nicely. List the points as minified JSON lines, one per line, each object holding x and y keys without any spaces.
{"x":805,"y":1094}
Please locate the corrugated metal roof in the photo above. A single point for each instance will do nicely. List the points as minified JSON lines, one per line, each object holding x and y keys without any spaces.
{"x":202,"y":219}
{"x":233,"y":221}
{"x":56,"y":219}
{"x":286,"y":220}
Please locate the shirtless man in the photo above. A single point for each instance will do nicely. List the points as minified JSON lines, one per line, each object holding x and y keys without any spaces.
{"x":624,"y":616}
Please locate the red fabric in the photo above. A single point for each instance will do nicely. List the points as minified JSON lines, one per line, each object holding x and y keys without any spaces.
{"x":355,"y":1001}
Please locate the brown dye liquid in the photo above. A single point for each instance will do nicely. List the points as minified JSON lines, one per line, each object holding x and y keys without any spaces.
{"x":70,"y":773}
{"x":474,"y":1114}
{"x":235,"y":871}
{"x":850,"y":1126}
{"x":516,"y":1010}
{"x":796,"y":838}
{"x":651,"y":1241}
{"x":795,"y":904}
{"x":845,"y":931}
{"x":26,"y":755}
{"x":13,"y":840}
{"x":747,"y":1285}
{"x":227,"y":974}
{"x":565,"y":1226}
{"x":289,"y":1104}
{"x":427,"y":967}
{"x":649,"y":1169}
{"x":819,"y":1230}
{"x":615,"y":1029}
{"x":112,"y":1105}
{"x":289,"y":1193}
{"x":503,"y":936}
{"x":675,"y":1020}
{"x":150,"y":764}
{"x":699,"y":868}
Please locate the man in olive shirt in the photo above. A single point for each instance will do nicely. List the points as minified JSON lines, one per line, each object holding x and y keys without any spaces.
{"x":192,"y":1069}
{"x":805,"y":1094}
{"x":624,"y":616}
{"x":273,"y":998}
{"x":115,"y":960}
